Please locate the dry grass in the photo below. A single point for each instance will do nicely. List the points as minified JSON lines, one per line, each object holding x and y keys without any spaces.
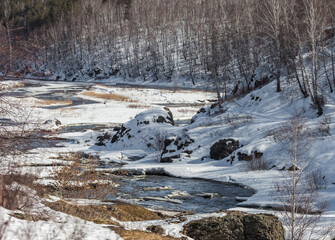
{"x":187,"y":110}
{"x":138,"y":235}
{"x":54,"y":102}
{"x":108,"y":96}
{"x":138,"y":106}
{"x":102,"y":214}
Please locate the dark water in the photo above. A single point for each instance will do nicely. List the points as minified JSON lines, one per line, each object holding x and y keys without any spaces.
{"x":224,"y":198}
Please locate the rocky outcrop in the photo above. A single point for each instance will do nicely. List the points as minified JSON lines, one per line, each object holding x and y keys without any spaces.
{"x":223,"y":148}
{"x":146,"y":130}
{"x":236,"y":226}
{"x":174,"y":147}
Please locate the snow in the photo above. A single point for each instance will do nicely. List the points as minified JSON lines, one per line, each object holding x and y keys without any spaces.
{"x":264,"y":110}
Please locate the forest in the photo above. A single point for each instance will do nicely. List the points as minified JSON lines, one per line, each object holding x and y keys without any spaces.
{"x":236,"y":46}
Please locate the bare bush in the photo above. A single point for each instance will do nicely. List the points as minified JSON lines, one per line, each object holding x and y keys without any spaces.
{"x":236,"y":120}
{"x":256,"y":164}
{"x":324,"y":126}
{"x":316,"y":180}
{"x":80,"y":179}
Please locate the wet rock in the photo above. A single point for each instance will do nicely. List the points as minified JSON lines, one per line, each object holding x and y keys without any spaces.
{"x":206,"y":195}
{"x":223,"y":148}
{"x":157,"y":188}
{"x":160,"y":199}
{"x":236,"y":226}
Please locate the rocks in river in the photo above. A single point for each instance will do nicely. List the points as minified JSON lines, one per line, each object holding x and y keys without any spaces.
{"x":162,"y":199}
{"x":157,"y":188}
{"x":236,"y":226}
{"x":179,"y":195}
{"x":223,"y":148}
{"x":206,"y":195}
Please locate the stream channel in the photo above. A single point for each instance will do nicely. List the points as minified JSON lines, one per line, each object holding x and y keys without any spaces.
{"x":156,"y":192}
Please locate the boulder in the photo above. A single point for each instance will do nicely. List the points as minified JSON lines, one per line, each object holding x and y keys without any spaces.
{"x":236,"y":226}
{"x":223,"y":148}
{"x":146,"y":130}
{"x":262,"y":227}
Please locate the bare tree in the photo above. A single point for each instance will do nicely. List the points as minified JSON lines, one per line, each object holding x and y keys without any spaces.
{"x":301,"y":206}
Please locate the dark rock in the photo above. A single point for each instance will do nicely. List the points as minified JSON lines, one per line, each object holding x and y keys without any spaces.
{"x":103,"y":138}
{"x":156,"y":229}
{"x":166,"y":160}
{"x":188,"y":151}
{"x":201,"y":110}
{"x":223,"y":148}
{"x":57,"y":122}
{"x":116,"y":129}
{"x":244,"y":156}
{"x":293,"y":168}
{"x":161,"y":119}
{"x":167,"y":142}
{"x":236,"y":226}
{"x":170,"y":117}
{"x":258,"y":155}
{"x":115,"y":138}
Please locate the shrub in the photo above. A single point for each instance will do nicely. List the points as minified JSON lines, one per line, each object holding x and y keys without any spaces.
{"x":256,"y":164}
{"x":80,"y":179}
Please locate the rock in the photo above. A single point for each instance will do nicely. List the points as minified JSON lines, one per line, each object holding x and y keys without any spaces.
{"x":223,"y":148}
{"x":160,"y":199}
{"x":263,"y":227}
{"x":205,"y":195}
{"x":102,"y":139}
{"x":157,"y":188}
{"x":229,"y":227}
{"x":166,"y":160}
{"x":293,"y":168}
{"x":55,"y":122}
{"x":170,"y":116}
{"x":236,"y":226}
{"x":161,"y":119}
{"x":156,"y":229}
{"x":244,"y":156}
{"x":258,"y":155}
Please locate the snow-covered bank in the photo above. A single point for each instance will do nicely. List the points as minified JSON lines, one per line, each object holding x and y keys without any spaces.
{"x":250,"y":120}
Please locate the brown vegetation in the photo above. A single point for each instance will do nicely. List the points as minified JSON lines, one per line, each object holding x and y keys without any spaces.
{"x":102,"y":214}
{"x":139,"y":235}
{"x":53,"y":102}
{"x":79,"y":179}
{"x":108,"y":96}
